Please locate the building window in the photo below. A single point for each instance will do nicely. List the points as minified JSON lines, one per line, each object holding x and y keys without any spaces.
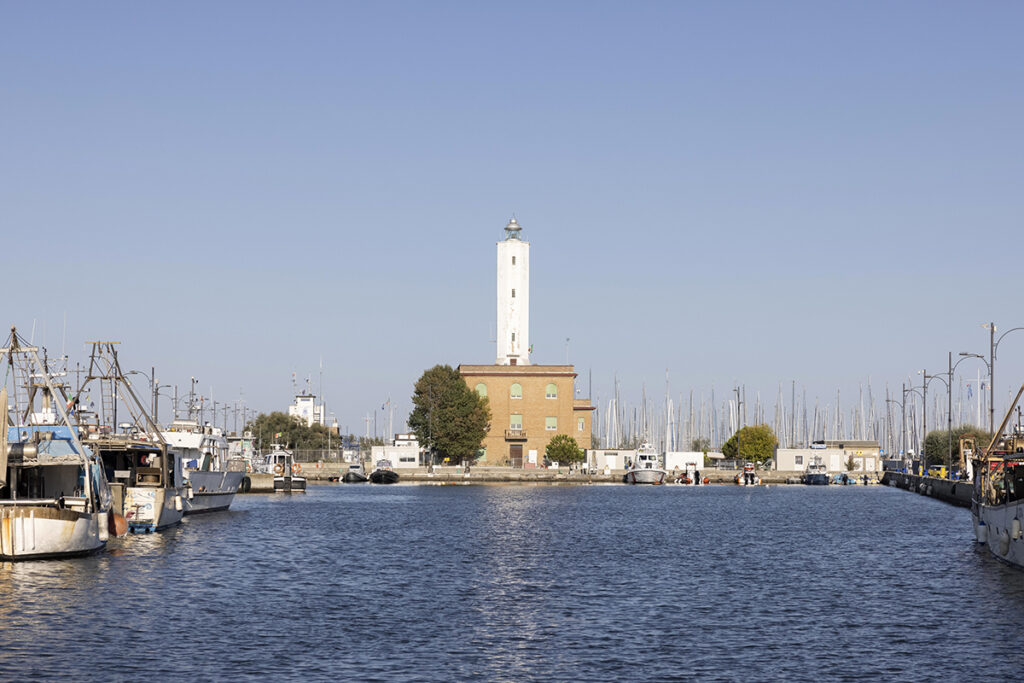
{"x":513,"y":260}
{"x":580,"y":424}
{"x":551,"y":391}
{"x":513,"y":336}
{"x":513,"y":293}
{"x":551,"y":423}
{"x":515,"y":421}
{"x":481,"y":390}
{"x":798,"y":460}
{"x":516,"y":390}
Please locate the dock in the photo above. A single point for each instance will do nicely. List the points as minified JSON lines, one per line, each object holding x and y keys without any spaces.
{"x":952,"y":491}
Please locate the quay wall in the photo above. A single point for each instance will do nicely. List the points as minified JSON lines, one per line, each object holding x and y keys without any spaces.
{"x":264,"y":483}
{"x":954,"y":492}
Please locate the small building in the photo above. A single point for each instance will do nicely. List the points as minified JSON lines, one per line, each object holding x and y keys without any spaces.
{"x":835,"y":455}
{"x":404,"y":452}
{"x":307,"y":409}
{"x":679,"y":460}
{"x":609,"y":458}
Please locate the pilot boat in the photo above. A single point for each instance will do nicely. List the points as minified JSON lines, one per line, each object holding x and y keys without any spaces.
{"x":646,"y":467}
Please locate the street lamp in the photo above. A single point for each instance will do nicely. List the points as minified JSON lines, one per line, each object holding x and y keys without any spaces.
{"x":903,"y":421}
{"x":993,"y":346}
{"x":912,"y":390}
{"x":926,"y":378}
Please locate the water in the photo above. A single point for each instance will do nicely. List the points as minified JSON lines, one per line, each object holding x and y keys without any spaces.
{"x":595,"y":583}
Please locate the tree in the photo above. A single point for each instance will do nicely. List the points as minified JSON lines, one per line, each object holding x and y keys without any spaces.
{"x":756,"y":443}
{"x":936,"y":444}
{"x":447,"y":415}
{"x":293,"y":430}
{"x":563,"y":448}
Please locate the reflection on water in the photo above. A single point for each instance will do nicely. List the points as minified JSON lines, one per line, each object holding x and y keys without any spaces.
{"x":526,"y":583}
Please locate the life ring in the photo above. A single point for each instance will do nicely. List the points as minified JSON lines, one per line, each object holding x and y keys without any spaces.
{"x":278,"y":468}
{"x":296,"y":468}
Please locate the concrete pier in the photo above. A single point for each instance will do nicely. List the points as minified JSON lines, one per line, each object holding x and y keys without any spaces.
{"x":955,"y":492}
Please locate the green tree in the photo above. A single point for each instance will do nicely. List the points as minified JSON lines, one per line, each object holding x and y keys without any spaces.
{"x":703,"y":445}
{"x":755,"y":443}
{"x":447,"y":415}
{"x":936,"y":444}
{"x":563,"y":448}
{"x":293,"y":430}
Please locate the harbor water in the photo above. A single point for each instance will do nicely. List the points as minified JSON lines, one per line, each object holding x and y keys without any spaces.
{"x":595,"y":583}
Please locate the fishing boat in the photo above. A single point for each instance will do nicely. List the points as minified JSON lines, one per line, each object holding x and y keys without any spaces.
{"x":146,"y":477}
{"x":212,"y":476}
{"x":355,"y":474}
{"x":287,"y":473}
{"x":54,"y":499}
{"x":997,"y":505}
{"x":646,"y":467}
{"x":383,"y":474}
{"x":816,"y":474}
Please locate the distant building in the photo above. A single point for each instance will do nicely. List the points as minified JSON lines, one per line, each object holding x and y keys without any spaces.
{"x":529,"y":403}
{"x":835,"y":455}
{"x":308,"y":410}
{"x":404,"y":452}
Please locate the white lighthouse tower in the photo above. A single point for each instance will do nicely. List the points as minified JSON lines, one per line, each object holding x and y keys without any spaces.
{"x":513,"y":298}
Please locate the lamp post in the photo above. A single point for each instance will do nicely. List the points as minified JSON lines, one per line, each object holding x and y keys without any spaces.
{"x":926,"y":378}
{"x":911,"y":390}
{"x":952,"y":367}
{"x":903,"y":420}
{"x":993,"y":346}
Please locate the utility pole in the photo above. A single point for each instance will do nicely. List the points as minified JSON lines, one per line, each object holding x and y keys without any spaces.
{"x":991,"y":378}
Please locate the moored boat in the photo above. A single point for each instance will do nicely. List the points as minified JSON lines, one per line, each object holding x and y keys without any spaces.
{"x":816,"y":473}
{"x":383,"y":474}
{"x":646,"y":467}
{"x":54,"y":500}
{"x":212,"y":477}
{"x":354,"y":475}
{"x":999,"y":492}
{"x":287,"y":472}
{"x":748,"y":477}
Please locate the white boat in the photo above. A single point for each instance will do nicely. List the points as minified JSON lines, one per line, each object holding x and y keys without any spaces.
{"x":748,"y":477}
{"x":996,"y":506}
{"x":146,"y":477}
{"x":646,"y":467}
{"x":287,"y":473}
{"x":212,"y":476}
{"x":54,"y":500}
{"x":816,"y":473}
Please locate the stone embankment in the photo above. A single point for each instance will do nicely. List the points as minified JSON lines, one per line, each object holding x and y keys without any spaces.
{"x":329,"y":472}
{"x":955,"y":492}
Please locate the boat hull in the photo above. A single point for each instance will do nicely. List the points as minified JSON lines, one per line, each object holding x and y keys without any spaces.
{"x":999,"y":533}
{"x":152,"y":509}
{"x":36,"y":532}
{"x":290,"y":484}
{"x":211,"y":491}
{"x":645,"y":477}
{"x":815,"y":479}
{"x":354,"y":478}
{"x":383,"y":477}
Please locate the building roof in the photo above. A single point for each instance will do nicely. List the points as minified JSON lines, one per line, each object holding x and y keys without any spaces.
{"x":518,"y":370}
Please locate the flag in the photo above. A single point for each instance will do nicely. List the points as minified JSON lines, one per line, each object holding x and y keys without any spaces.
{"x":969,"y":393}
{"x":278,"y":435}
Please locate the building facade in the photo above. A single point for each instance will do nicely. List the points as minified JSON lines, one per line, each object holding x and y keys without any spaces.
{"x":837,"y":456}
{"x":529,"y":405}
{"x":307,"y":409}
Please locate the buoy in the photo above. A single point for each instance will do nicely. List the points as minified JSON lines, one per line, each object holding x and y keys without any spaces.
{"x":1004,"y":543}
{"x":117,"y":524}
{"x":1015,"y":529}
{"x":278,"y":468}
{"x":981,"y":532}
{"x":296,"y":468}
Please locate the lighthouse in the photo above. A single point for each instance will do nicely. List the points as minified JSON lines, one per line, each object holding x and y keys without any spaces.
{"x":513,"y":298}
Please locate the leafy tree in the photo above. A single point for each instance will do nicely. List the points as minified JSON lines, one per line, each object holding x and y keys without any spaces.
{"x":447,"y":415}
{"x":563,"y":448}
{"x":293,"y":430}
{"x":936,"y":444}
{"x":755,"y":443}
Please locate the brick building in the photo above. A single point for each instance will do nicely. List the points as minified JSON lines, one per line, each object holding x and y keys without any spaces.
{"x":529,"y":405}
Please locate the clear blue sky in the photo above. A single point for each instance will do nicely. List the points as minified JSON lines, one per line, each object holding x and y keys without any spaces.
{"x":738,"y":192}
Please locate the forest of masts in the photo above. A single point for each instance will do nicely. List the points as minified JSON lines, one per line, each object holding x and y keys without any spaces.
{"x":697,"y":420}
